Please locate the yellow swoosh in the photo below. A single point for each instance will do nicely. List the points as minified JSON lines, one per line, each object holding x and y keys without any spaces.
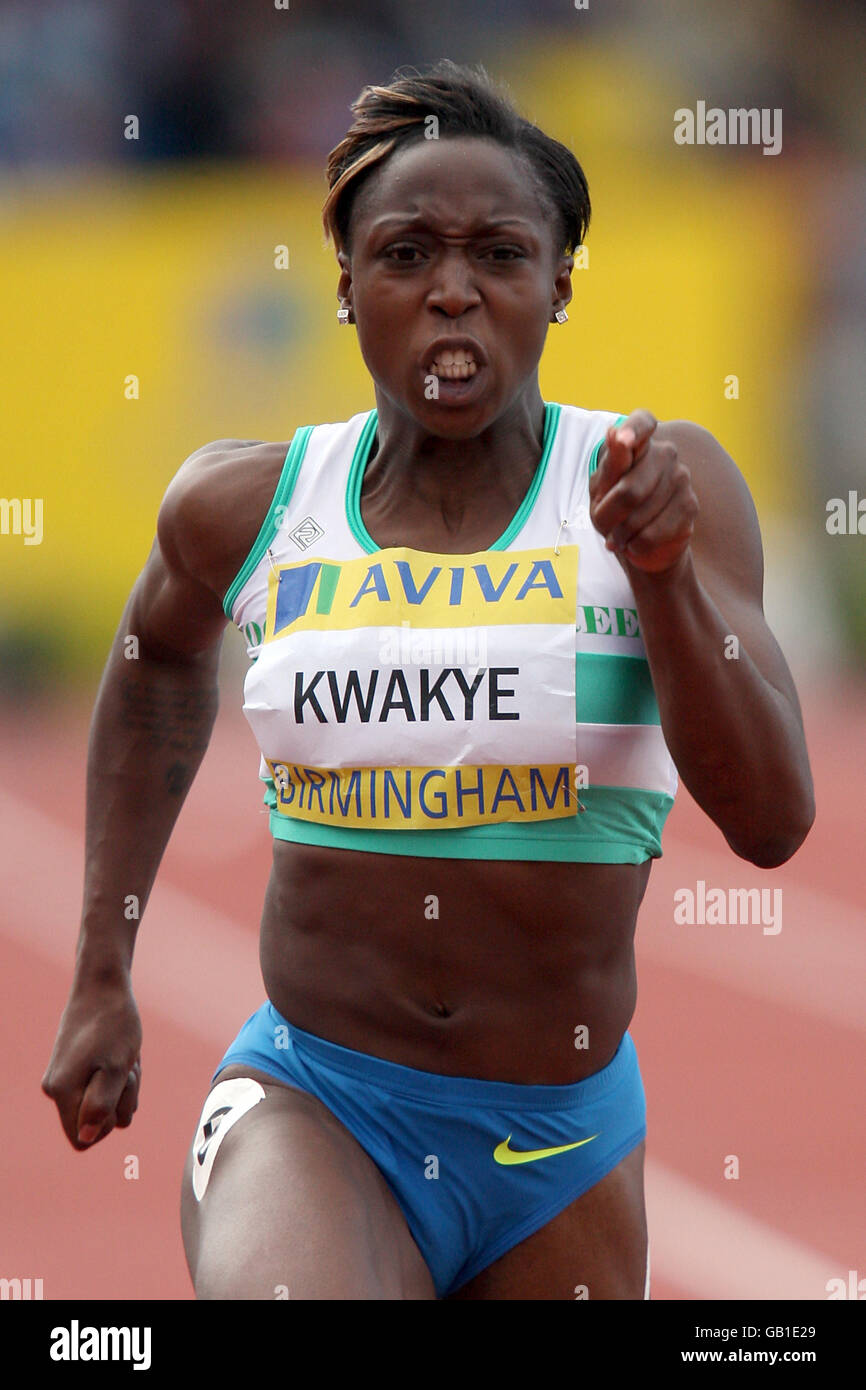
{"x":502,"y":1153}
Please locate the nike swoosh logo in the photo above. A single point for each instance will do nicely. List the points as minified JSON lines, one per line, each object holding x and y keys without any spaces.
{"x":502,"y":1153}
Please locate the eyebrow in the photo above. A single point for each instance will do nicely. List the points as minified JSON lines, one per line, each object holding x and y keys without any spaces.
{"x":411,"y":221}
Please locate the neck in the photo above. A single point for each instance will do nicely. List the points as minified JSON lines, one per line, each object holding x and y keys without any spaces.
{"x":413,"y":471}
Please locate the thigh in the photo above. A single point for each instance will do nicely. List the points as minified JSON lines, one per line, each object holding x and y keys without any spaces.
{"x":597,"y":1244}
{"x":295,"y":1208}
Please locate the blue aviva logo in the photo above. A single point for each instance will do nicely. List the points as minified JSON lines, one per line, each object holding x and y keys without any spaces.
{"x":519,"y":587}
{"x":296,"y":588}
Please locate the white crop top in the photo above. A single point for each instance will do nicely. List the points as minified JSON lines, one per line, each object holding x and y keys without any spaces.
{"x":497,"y":705}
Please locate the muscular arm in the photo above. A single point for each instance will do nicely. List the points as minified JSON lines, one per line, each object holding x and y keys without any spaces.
{"x":729,"y":711}
{"x":151,"y":726}
{"x":152,"y":721}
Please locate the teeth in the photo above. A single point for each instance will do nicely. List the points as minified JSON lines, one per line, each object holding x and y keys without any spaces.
{"x":459,"y":372}
{"x":456,"y":365}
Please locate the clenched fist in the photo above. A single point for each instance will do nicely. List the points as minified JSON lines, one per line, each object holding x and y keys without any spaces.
{"x":94,"y":1073}
{"x":641,"y":496}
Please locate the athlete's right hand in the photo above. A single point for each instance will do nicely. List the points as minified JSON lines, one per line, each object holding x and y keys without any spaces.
{"x":95,"y":1069}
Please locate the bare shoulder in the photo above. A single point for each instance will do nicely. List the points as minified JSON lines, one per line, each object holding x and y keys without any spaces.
{"x":727,"y":535}
{"x":214,"y":507}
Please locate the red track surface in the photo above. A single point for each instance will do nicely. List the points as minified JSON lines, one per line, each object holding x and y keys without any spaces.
{"x":750,"y":1044}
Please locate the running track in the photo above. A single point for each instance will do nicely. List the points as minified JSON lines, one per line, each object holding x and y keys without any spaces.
{"x":751,"y":1044}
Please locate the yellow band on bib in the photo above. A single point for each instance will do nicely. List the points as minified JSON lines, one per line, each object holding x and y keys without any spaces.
{"x":382,"y":798}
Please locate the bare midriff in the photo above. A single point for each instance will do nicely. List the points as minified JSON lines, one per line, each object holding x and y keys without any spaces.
{"x":506,"y":970}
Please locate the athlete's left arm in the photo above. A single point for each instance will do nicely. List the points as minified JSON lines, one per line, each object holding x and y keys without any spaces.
{"x":676,"y":510}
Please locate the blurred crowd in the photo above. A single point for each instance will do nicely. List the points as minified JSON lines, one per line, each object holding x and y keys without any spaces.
{"x":273,"y":79}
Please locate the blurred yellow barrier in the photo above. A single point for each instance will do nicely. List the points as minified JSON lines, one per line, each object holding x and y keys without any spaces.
{"x":165,"y":284}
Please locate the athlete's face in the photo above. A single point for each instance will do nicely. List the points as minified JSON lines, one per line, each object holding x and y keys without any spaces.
{"x":453,"y":250}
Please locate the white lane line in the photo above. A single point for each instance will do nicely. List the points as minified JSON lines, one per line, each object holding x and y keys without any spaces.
{"x":706,"y":1246}
{"x":815,"y":963}
{"x":199,"y":970}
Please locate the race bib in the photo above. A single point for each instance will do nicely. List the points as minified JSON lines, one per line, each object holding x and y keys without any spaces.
{"x":406,"y":689}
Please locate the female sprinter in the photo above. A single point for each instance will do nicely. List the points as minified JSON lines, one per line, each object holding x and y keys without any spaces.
{"x":486,"y":632}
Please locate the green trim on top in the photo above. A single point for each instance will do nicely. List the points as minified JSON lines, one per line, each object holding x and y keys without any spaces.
{"x":355,"y":479}
{"x":357,"y":467}
{"x":620,"y":825}
{"x":552,"y":412}
{"x":614,"y":690}
{"x":593,"y":458}
{"x":285,"y":488}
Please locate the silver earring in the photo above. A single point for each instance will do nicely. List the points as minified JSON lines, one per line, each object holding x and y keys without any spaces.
{"x":561,"y":316}
{"x":342,"y":317}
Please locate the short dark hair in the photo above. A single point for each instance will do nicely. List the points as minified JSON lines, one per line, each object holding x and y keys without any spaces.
{"x":465,"y":101}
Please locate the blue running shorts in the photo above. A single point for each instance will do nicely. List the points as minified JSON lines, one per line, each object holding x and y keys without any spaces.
{"x":475,"y":1165}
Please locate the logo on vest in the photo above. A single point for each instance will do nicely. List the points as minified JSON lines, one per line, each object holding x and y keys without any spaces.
{"x":425,"y":590}
{"x":305,"y":533}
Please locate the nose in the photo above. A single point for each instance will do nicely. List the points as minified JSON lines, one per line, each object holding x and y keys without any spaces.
{"x":454,"y":289}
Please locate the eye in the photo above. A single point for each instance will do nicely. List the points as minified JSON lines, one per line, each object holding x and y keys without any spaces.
{"x":506,"y":253}
{"x":403,"y":252}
